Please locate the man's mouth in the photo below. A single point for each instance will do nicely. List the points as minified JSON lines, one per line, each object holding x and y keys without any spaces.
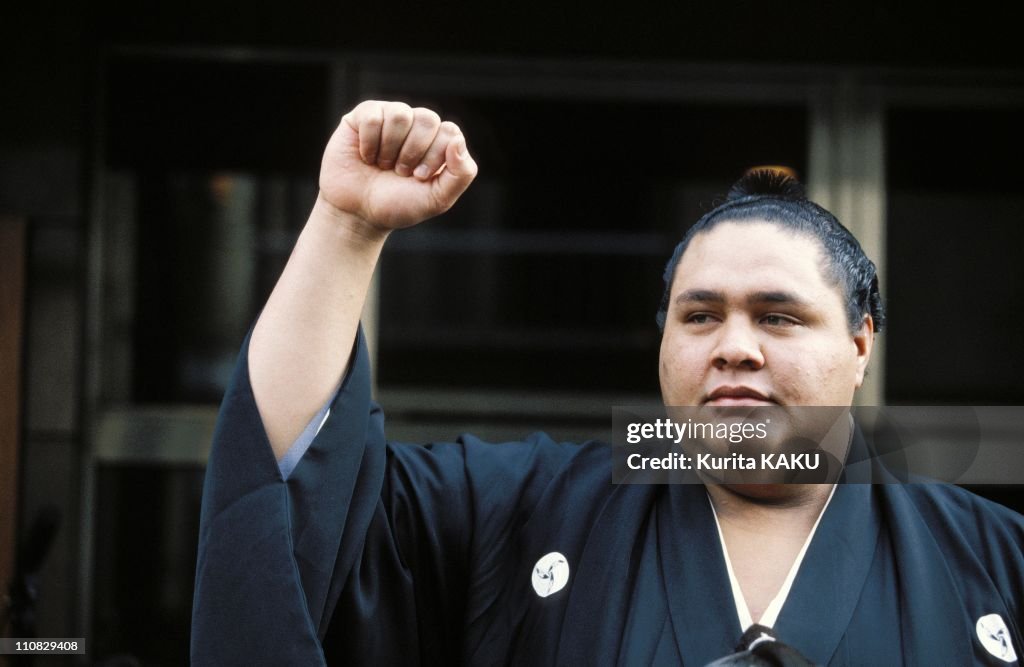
{"x":728,"y":395}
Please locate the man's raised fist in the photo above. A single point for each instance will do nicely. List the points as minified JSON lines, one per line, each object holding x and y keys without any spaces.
{"x":393,"y":166}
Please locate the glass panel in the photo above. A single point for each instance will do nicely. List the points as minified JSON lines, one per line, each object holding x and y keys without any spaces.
{"x":548,"y":273}
{"x":215,"y":175}
{"x":956,"y":248}
{"x":147,"y":528}
{"x":165,"y":114}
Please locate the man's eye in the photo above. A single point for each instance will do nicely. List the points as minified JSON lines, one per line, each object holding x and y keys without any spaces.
{"x":773,"y":320}
{"x":698,"y":318}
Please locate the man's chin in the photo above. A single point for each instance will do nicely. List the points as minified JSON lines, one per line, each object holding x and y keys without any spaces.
{"x":773,"y":494}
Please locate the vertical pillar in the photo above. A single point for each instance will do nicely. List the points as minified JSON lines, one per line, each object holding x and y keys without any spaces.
{"x":847,"y":176}
{"x":12,"y":291}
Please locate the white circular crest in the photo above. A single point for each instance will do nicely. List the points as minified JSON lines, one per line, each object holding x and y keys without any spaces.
{"x":550,"y":574}
{"x":995,"y":637}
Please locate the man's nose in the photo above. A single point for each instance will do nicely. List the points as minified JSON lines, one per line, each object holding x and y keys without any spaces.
{"x":738,"y":346}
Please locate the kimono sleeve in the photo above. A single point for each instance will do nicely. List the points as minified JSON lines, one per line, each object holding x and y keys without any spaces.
{"x":370,"y":552}
{"x":267,"y":547}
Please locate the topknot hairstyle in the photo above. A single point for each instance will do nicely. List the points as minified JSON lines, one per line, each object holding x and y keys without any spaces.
{"x":774,"y":195}
{"x":777,"y":182}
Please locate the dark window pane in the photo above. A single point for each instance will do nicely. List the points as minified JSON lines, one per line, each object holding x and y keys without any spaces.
{"x":184,"y":114}
{"x":956,"y":257}
{"x":548,"y":273}
{"x":223,"y":160}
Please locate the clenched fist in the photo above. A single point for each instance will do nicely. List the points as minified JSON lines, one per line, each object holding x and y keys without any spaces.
{"x":393,"y":166}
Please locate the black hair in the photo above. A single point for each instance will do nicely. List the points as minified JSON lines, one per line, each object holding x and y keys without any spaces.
{"x":772,"y":195}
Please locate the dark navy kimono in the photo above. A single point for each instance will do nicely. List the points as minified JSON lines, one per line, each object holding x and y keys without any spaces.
{"x":387,"y":554}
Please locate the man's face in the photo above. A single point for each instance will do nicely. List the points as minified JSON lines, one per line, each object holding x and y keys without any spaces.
{"x":753,"y":321}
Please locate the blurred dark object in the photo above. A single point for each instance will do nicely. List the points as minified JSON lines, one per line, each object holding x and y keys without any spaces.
{"x":24,"y":587}
{"x":759,"y":647}
{"x":23,"y":590}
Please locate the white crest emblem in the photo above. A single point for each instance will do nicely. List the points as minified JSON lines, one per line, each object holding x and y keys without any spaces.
{"x":550,"y":574}
{"x":995,"y":637}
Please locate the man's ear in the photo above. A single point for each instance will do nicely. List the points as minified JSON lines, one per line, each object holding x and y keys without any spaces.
{"x":864,"y":341}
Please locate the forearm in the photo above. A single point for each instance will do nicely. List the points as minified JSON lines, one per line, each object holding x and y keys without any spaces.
{"x":304,"y":336}
{"x":368,"y":186}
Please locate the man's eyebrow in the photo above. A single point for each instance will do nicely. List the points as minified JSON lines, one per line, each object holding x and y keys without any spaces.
{"x":700,"y":296}
{"x":777,"y":296}
{"x":767,"y":296}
